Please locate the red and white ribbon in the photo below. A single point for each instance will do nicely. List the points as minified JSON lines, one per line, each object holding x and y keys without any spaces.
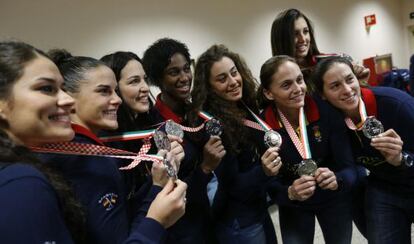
{"x":302,"y":144}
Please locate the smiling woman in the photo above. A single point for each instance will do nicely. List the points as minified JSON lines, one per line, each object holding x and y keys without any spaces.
{"x":33,"y":110}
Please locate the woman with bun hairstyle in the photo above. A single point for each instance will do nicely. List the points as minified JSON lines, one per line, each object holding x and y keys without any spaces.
{"x":37,"y":205}
{"x":292,"y":34}
{"x":384,"y":145}
{"x":96,"y":180}
{"x":225,"y":88}
{"x":318,"y":171}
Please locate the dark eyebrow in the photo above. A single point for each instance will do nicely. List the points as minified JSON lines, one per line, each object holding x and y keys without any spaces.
{"x":349,"y":76}
{"x":103,"y":86}
{"x":134,"y":77}
{"x":47,"y":79}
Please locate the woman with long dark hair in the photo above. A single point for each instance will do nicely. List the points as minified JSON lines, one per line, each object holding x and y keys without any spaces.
{"x":37,"y":204}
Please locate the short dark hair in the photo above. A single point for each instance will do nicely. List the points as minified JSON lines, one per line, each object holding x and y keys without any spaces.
{"x":282,"y":35}
{"x":158,"y":56}
{"x":73,"y":68}
{"x":268,"y":69}
{"x":323,"y":66}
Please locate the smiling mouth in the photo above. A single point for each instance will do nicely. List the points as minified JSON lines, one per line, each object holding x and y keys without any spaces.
{"x":61,"y":118}
{"x":110,"y":114}
{"x":349,"y":99}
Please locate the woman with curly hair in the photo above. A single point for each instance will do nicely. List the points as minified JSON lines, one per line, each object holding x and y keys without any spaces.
{"x":34,"y":110}
{"x":224,"y":87}
{"x":168,"y":66}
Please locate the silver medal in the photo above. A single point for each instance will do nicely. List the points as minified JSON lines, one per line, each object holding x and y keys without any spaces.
{"x":161,"y":140}
{"x":307,"y":167}
{"x":372,"y":127}
{"x":272,"y":139}
{"x":170,"y":169}
{"x":213,"y":127}
{"x":174,"y":129}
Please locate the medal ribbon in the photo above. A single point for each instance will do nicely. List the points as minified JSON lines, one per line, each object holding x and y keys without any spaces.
{"x":302,"y":145}
{"x":362,"y":112}
{"x":127,"y":136}
{"x":259,"y":124}
{"x":86,"y":149}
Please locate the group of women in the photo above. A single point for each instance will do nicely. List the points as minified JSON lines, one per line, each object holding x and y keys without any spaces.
{"x":337,"y":151}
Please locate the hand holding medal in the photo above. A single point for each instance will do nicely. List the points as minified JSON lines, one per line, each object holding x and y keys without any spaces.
{"x":389,"y":144}
{"x":213,"y":150}
{"x":371,"y":127}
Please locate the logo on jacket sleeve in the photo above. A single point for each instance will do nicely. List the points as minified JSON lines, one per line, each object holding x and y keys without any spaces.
{"x":108,"y":201}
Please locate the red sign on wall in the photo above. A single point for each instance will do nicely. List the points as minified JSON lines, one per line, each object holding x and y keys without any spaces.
{"x":370,"y":20}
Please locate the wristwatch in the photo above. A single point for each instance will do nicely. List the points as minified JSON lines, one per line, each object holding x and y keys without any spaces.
{"x":407,"y":160}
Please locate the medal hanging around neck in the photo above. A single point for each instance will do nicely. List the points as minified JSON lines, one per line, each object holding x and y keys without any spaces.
{"x":212,"y":126}
{"x":307,"y":166}
{"x":271,"y":138}
{"x":371,"y":126}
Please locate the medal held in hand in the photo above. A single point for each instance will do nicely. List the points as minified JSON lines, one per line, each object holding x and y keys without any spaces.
{"x":307,"y":167}
{"x":272,"y":139}
{"x":174,"y":129}
{"x":163,"y":143}
{"x":213,"y":127}
{"x":161,"y":140}
{"x":170,"y":169}
{"x":372,"y":127}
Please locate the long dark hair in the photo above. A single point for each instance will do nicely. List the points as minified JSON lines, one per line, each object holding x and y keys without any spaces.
{"x":282,"y":35}
{"x":13,"y":58}
{"x":128,"y":119}
{"x":205,"y":99}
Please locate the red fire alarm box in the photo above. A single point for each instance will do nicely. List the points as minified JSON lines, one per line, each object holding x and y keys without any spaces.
{"x":370,"y":20}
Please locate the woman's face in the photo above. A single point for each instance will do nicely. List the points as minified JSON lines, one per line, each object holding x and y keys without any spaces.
{"x":133,"y":87}
{"x":177,"y":78}
{"x":37,"y":109}
{"x":225,"y":80}
{"x":287,"y":88}
{"x":96,"y":103}
{"x":341,"y":87}
{"x":302,"y":38}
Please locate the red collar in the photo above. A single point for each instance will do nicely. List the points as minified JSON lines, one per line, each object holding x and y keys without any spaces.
{"x":166,"y":112}
{"x":79,"y":129}
{"x":370,"y":101}
{"x":311,"y":111}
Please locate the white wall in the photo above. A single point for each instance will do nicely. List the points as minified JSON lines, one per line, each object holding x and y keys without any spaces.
{"x":97,"y":27}
{"x":408,"y":24}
